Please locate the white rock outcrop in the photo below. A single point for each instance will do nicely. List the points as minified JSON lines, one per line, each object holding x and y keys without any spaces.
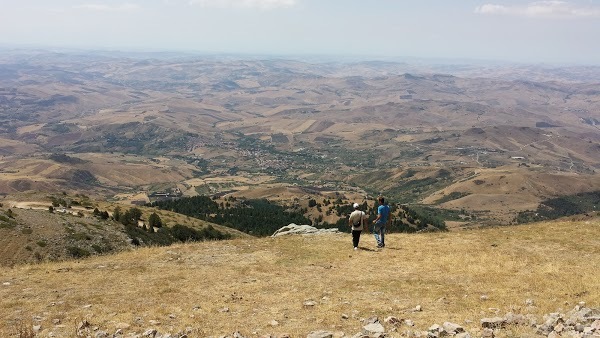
{"x":294,"y":229}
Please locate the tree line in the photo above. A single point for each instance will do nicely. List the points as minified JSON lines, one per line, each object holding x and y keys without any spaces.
{"x":258,"y":217}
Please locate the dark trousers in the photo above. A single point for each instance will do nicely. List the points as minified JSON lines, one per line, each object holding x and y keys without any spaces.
{"x":356,"y":237}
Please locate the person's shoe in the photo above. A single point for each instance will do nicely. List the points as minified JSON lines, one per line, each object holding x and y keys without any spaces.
{"x":355,"y":248}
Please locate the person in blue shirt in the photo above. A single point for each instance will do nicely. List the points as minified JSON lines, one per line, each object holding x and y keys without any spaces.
{"x":383,"y":217}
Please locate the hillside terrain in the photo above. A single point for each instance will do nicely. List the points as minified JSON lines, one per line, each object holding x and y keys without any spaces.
{"x":292,"y":286}
{"x":490,"y":140}
{"x":30,"y":233}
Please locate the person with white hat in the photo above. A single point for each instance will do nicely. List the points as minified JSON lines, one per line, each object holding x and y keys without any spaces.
{"x":357,"y":221}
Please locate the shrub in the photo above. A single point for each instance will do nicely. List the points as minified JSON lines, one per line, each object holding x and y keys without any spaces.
{"x":77,"y":252}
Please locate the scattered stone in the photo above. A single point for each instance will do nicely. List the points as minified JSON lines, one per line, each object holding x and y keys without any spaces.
{"x":484,"y":297}
{"x":225,"y":309}
{"x":418,"y":308}
{"x":373,"y":329}
{"x":371,"y":320}
{"x":6,"y":283}
{"x":392,"y":320}
{"x":56,"y":321}
{"x":37,"y":328}
{"x":273,"y":322}
{"x":345,"y":316}
{"x":487,"y":333}
{"x":320,"y":334}
{"x":309,"y":303}
{"x":514,"y":319}
{"x":87,"y":306}
{"x":83,"y":325}
{"x":435,"y":328}
{"x":154,"y":322}
{"x":493,"y":323}
{"x":452,"y":328}
{"x":529,"y":302}
{"x":150,"y":333}
{"x":102,"y":334}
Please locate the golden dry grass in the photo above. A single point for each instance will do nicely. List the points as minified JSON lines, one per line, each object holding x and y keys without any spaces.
{"x":260,"y":280}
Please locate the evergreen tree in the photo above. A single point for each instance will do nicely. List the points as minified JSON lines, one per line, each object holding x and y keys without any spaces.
{"x":117,"y":214}
{"x":155,"y":221}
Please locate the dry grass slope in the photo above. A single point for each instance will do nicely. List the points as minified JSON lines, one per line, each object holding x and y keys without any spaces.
{"x":261,"y":280}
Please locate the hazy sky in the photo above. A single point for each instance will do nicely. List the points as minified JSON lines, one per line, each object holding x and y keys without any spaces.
{"x":539,"y":31}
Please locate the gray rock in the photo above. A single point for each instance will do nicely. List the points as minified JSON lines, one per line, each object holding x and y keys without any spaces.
{"x":515,"y":319}
{"x":150,"y":333}
{"x":373,"y":329}
{"x":294,"y":229}
{"x":392,"y":320}
{"x":435,"y":328}
{"x":492,"y":323}
{"x":559,"y":328}
{"x":320,"y":334}
{"x":452,"y":328}
{"x":371,"y":320}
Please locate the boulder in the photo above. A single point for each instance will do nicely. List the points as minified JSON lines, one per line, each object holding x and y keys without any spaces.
{"x":294,"y":229}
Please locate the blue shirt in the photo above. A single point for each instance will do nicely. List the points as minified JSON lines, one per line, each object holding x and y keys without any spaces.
{"x":384,"y":211}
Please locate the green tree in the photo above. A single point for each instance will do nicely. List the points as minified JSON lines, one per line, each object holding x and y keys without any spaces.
{"x":117,"y":214}
{"x":136,"y":214}
{"x":155,"y":221}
